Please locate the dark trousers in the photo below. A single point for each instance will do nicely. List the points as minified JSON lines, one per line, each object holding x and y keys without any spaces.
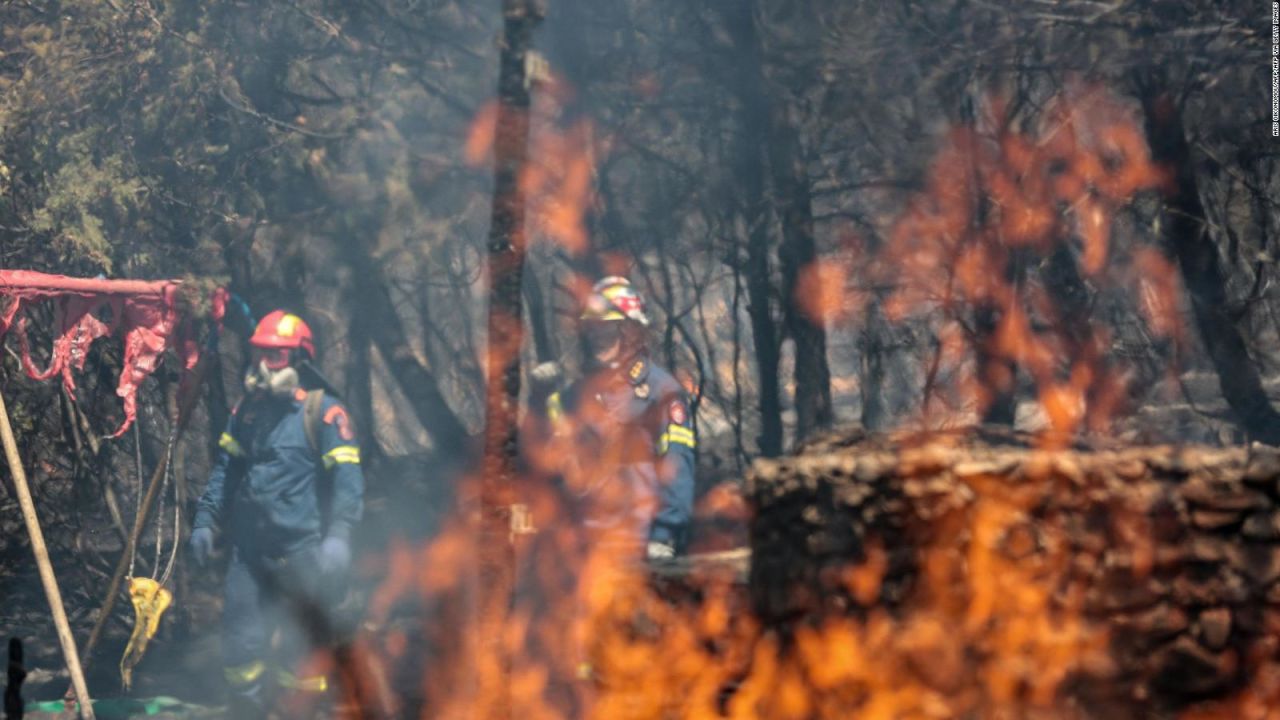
{"x":277,"y":613}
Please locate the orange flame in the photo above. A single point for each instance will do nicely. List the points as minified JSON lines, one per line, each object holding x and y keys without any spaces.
{"x":557,"y":180}
{"x":479,"y":146}
{"x":822,"y":295}
{"x":986,"y":630}
{"x":995,"y":204}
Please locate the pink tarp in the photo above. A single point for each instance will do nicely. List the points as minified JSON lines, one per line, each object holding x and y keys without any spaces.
{"x":144,"y":314}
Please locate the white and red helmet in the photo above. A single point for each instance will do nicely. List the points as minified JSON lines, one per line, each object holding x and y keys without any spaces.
{"x":614,"y":298}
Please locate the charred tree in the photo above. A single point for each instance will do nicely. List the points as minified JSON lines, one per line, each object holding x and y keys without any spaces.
{"x":874,"y":340}
{"x":793,"y":204}
{"x":792,"y":28}
{"x":1185,"y":235}
{"x":386,"y":330}
{"x":999,"y":374}
{"x":506,"y":247}
{"x":540,"y":320}
{"x":753,"y":137}
{"x":359,"y":381}
{"x":997,"y":370}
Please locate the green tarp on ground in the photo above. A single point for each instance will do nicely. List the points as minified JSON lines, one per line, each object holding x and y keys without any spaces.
{"x":125,"y":708}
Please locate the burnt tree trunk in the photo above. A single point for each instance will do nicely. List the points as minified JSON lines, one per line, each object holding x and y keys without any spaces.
{"x":753,"y":136}
{"x":386,"y":330}
{"x":875,"y":338}
{"x":504,"y":338}
{"x":1186,"y":236}
{"x":358,"y":382}
{"x":999,"y":371}
{"x":794,"y":206}
{"x":793,"y":201}
{"x":540,"y":320}
{"x":999,"y":374}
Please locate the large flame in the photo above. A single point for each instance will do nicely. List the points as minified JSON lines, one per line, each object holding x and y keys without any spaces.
{"x":594,"y":635}
{"x":988,"y":630}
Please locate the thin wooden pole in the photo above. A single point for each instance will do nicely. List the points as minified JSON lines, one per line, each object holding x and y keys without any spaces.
{"x":47,"y":578}
{"x":506,"y":248}
{"x":30,"y":280}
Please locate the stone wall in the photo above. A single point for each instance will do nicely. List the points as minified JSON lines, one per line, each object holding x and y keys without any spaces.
{"x":1173,"y":553}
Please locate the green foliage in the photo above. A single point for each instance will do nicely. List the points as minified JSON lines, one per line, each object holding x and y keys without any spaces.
{"x":80,"y":194}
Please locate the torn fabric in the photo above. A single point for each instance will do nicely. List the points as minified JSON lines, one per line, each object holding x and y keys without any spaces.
{"x":144,"y":314}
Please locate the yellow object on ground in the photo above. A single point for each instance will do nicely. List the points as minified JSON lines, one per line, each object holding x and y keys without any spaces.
{"x":150,"y":600}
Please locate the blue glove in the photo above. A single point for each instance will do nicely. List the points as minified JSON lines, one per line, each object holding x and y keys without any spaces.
{"x":201,"y":544}
{"x":335,"y":555}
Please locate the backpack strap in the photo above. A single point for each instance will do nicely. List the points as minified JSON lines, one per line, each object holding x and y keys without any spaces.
{"x":312,"y":407}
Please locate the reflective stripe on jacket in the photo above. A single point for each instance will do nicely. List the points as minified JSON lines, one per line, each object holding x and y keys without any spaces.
{"x":270,"y":490}
{"x":652,"y":406}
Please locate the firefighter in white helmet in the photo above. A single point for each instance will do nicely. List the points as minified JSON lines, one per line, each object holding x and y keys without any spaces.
{"x":630,"y":426}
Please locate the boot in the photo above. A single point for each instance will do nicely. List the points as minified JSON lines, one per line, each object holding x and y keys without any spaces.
{"x":247,"y":703}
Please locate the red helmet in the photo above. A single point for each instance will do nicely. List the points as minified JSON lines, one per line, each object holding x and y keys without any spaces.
{"x":282,"y":330}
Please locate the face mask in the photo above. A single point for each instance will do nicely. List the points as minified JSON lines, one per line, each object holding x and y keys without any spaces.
{"x":280,"y":383}
{"x":604,"y":343}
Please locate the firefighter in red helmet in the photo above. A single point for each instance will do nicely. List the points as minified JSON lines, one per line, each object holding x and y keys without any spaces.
{"x":285,"y":493}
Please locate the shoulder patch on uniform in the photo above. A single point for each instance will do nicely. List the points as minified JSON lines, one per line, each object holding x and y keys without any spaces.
{"x":637,"y":371}
{"x":678,"y":412}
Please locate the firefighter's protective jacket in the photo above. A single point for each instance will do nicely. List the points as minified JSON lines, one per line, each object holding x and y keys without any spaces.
{"x":270,"y":490}
{"x":644,"y":425}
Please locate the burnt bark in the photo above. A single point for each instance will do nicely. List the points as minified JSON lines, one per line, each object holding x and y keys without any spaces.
{"x":740,"y":449}
{"x":1185,"y":236}
{"x":999,"y":374}
{"x":506,"y":247}
{"x":793,"y":204}
{"x":753,"y":136}
{"x":1062,"y":278}
{"x":789,"y":26}
{"x":540,"y":320}
{"x":874,"y":339}
{"x":359,"y":382}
